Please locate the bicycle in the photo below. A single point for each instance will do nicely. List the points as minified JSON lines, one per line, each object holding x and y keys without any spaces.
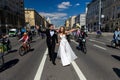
{"x":83,"y":46}
{"x":23,"y":50}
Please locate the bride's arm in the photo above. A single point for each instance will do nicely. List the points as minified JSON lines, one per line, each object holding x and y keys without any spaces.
{"x":72,"y":30}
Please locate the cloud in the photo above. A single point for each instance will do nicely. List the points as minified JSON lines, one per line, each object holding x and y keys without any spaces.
{"x":64,"y":5}
{"x":55,"y":17}
{"x":78,"y":4}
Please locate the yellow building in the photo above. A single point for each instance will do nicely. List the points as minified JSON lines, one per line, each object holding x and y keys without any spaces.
{"x":33,"y":18}
{"x":67,"y":23}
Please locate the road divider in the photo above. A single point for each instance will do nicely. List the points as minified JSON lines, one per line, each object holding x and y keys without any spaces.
{"x":40,"y":69}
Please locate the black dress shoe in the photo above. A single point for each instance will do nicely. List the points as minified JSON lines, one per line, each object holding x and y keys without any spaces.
{"x":50,"y":59}
{"x":54,"y":63}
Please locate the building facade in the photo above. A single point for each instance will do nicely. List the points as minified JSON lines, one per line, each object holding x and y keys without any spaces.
{"x":67,"y":23}
{"x":92,"y":17}
{"x":33,"y":18}
{"x":12,"y":14}
{"x":81,"y":19}
{"x":110,"y":15}
{"x":111,"y":11}
{"x":72,"y":21}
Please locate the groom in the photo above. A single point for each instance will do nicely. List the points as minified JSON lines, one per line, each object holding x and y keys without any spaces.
{"x":51,"y":41}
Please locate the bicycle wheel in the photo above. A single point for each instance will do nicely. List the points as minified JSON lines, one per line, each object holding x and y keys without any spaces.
{"x":21,"y":51}
{"x":29,"y":46}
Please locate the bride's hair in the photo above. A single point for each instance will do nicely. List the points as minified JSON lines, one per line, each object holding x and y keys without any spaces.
{"x":63,"y":30}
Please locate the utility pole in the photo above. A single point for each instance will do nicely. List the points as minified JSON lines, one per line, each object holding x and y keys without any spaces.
{"x":99,"y":28}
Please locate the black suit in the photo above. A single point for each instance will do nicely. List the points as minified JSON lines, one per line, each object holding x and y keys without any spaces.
{"x":51,"y":42}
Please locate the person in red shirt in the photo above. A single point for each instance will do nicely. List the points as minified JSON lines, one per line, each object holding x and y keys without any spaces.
{"x":24,"y":40}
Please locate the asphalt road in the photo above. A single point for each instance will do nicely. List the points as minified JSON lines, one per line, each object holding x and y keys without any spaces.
{"x":102,"y":62}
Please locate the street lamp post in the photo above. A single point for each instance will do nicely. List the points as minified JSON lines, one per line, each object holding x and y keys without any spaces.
{"x":6,"y":25}
{"x":99,"y":28}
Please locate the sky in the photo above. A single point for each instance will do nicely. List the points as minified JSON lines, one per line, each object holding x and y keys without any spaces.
{"x":57,"y":10}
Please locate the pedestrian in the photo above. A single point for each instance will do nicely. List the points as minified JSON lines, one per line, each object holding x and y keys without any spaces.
{"x":51,"y":41}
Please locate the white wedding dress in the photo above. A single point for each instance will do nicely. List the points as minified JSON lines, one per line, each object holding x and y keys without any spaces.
{"x":65,"y":52}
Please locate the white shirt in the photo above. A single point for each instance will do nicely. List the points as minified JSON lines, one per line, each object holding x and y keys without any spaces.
{"x":51,"y":33}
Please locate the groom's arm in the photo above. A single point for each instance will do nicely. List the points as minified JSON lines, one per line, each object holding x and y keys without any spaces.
{"x":42,"y":31}
{"x":56,"y":37}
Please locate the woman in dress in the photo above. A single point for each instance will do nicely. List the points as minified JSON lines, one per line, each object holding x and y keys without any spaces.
{"x":65,"y":52}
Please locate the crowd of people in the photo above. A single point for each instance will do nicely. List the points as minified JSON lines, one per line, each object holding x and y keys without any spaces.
{"x":57,"y":37}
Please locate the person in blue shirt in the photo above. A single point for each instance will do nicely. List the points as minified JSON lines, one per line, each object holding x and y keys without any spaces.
{"x":116,"y":36}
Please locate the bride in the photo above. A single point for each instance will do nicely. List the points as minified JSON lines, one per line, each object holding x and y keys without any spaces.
{"x":65,"y":52}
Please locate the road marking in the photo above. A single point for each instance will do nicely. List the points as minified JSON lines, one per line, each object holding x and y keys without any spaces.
{"x":78,"y":71}
{"x":74,"y":41}
{"x":99,"y":47}
{"x":40,"y":69}
{"x":96,"y":41}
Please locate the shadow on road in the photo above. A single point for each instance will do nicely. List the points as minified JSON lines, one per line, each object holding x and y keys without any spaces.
{"x":116,"y":57}
{"x":32,"y":49}
{"x":117,"y":71}
{"x":111,"y":46}
{"x":9,"y":64}
{"x":11,"y":51}
{"x":33,"y":41}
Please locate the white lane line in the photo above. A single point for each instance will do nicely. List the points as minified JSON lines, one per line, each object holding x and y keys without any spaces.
{"x":99,"y":47}
{"x":96,"y":41}
{"x":78,"y":71}
{"x":40,"y":69}
{"x":74,"y":41}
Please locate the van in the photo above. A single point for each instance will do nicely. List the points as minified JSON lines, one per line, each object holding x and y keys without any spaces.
{"x":12,"y":32}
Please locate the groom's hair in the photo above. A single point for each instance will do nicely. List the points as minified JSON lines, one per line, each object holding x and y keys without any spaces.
{"x":50,"y":25}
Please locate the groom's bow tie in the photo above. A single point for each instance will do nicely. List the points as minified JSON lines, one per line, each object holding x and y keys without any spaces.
{"x":51,"y":30}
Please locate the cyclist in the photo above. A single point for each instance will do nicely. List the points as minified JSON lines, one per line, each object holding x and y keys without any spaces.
{"x":24,"y":40}
{"x":29,"y":35}
{"x":116,"y":37}
{"x":5,"y":40}
{"x":82,"y":36}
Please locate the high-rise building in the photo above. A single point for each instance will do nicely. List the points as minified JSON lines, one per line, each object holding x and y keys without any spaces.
{"x":12,"y":14}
